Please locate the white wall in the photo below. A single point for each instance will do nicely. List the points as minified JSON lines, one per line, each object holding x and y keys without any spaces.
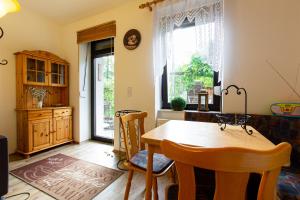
{"x":132,"y":68}
{"x":23,"y":31}
{"x":256,"y":31}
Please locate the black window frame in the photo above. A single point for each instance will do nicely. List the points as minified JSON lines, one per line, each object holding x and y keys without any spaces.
{"x":164,"y":86}
{"x":164,"y":93}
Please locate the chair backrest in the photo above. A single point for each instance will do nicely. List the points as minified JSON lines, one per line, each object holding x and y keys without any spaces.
{"x":132,"y":129}
{"x":232,"y":168}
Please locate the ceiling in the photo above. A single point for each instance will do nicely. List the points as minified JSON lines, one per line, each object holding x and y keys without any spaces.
{"x":67,"y":11}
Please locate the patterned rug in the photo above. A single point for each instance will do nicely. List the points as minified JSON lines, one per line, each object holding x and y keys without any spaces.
{"x":67,"y":178}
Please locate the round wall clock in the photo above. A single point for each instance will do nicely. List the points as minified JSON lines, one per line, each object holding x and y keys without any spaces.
{"x":132,"y":39}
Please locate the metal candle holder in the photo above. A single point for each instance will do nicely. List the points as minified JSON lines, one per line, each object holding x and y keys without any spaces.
{"x":234,"y":119}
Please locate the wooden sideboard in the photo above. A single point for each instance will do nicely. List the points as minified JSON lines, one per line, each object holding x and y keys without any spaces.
{"x":51,"y":125}
{"x":39,"y":129}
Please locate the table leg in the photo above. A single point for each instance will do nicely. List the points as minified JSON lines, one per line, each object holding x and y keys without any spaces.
{"x":149,"y":173}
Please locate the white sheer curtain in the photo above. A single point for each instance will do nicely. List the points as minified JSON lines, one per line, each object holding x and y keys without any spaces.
{"x":208,"y":18}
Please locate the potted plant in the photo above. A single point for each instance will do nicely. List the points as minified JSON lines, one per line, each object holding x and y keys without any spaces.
{"x":178,"y":104}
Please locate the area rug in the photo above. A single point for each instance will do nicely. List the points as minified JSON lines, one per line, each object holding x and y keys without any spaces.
{"x":67,"y":178}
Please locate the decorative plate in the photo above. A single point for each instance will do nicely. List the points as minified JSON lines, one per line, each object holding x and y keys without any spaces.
{"x":132,"y":39}
{"x":286,"y":109}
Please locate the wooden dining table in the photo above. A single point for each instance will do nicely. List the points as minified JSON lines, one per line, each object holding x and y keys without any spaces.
{"x":200,"y":134}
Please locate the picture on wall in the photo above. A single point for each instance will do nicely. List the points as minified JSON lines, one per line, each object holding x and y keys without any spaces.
{"x":132,"y":39}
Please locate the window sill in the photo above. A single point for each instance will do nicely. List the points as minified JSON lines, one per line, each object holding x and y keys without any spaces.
{"x":170,"y":114}
{"x":208,"y":112}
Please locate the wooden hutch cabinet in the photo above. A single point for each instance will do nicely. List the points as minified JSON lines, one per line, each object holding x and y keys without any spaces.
{"x":51,"y":125}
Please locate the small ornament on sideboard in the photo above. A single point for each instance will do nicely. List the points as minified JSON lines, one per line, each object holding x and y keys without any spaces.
{"x":39,"y":94}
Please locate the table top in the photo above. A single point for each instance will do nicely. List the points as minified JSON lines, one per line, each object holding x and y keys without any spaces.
{"x":206,"y":135}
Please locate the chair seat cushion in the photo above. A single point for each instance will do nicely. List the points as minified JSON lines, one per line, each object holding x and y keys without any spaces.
{"x":288,"y":185}
{"x":160,"y":162}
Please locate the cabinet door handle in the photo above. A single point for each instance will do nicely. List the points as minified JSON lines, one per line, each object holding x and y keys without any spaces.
{"x":42,"y":134}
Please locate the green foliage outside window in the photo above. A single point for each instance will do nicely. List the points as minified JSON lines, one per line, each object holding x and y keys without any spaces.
{"x":186,"y":77}
{"x":197,"y":70}
{"x":108,"y":75}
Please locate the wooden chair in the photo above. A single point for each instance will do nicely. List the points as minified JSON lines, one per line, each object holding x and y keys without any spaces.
{"x":232,"y":168}
{"x":133,"y":128}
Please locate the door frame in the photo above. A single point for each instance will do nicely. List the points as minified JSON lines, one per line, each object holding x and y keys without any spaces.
{"x":97,"y":54}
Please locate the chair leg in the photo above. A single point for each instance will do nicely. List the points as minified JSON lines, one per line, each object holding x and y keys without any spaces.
{"x":130,"y":175}
{"x":155,"y":190}
{"x":174,"y":174}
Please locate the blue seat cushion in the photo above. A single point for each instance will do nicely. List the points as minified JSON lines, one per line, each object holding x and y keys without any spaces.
{"x":288,"y":185}
{"x":160,"y":162}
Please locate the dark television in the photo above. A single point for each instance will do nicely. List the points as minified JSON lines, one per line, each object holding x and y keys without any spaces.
{"x":3,"y":167}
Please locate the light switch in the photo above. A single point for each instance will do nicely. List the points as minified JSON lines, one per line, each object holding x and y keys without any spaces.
{"x":129,"y":92}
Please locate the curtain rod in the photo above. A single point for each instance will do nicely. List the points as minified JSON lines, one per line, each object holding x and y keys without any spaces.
{"x":149,"y":4}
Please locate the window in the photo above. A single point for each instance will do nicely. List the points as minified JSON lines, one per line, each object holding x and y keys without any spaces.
{"x":188,"y":50}
{"x":188,"y":71}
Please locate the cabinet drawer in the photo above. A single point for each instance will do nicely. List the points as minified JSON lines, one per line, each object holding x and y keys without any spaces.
{"x":62,"y":112}
{"x":39,"y":114}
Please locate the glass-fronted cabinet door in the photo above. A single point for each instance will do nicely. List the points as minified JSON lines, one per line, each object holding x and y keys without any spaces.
{"x":58,"y":74}
{"x":35,"y":72}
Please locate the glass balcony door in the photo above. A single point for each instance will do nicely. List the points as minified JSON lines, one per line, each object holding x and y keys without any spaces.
{"x":103,"y":90}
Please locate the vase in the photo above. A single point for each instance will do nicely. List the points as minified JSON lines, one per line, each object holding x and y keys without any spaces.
{"x":39,"y":104}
